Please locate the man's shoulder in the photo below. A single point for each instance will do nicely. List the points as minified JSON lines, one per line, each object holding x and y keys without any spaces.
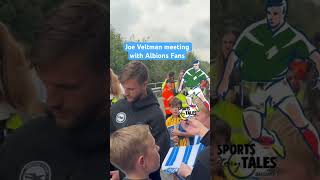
{"x":189,"y":71}
{"x":250,"y":33}
{"x":293,"y":30}
{"x":155,"y":110}
{"x":254,"y":28}
{"x":33,"y":129}
{"x":119,"y":104}
{"x":37,"y":125}
{"x":299,"y":36}
{"x":32,"y":138}
{"x":156,"y":114}
{"x":202,"y":73}
{"x":257,"y":26}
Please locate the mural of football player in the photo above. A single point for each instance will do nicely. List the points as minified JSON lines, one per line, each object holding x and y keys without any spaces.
{"x":191,"y":81}
{"x":263,"y":51}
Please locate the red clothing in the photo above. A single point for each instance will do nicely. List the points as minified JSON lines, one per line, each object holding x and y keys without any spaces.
{"x":167,"y":95}
{"x":299,"y":69}
{"x":203,"y":84}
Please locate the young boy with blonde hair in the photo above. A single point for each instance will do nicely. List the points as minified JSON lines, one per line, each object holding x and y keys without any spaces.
{"x":133,"y":151}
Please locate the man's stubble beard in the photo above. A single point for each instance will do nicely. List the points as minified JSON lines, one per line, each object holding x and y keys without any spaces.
{"x":138,"y":98}
{"x":90,"y":114}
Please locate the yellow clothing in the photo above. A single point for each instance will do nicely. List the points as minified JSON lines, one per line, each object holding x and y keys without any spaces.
{"x":183,"y":99}
{"x":114,"y":100}
{"x":176,"y":85}
{"x":163,"y":83}
{"x":232,"y":115}
{"x":173,"y":123}
{"x":14,"y":122}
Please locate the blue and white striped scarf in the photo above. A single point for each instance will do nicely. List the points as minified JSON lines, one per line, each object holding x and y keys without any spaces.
{"x":178,"y":155}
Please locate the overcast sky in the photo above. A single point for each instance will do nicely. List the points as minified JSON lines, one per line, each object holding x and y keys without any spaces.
{"x":165,"y":20}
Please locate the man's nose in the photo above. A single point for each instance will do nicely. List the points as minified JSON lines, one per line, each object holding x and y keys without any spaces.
{"x":55,"y":98}
{"x":126,"y":93}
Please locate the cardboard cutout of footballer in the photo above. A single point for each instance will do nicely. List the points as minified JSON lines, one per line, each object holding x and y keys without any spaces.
{"x":263,"y":52}
{"x":191,"y":82}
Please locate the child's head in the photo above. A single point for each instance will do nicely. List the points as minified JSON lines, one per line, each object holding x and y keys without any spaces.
{"x":171,"y":77}
{"x":133,"y":150}
{"x":175,"y":105}
{"x":169,"y":85}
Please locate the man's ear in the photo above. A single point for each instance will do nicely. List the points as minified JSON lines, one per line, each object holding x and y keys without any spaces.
{"x":145,"y":84}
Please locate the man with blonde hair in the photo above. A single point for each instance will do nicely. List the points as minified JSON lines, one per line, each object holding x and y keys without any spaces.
{"x":134,"y":151}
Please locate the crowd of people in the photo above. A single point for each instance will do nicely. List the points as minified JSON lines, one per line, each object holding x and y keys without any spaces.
{"x":252,"y":103}
{"x":139,"y":106}
{"x":52,"y":125}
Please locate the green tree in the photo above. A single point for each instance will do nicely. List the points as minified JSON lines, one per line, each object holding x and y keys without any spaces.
{"x":118,"y":57}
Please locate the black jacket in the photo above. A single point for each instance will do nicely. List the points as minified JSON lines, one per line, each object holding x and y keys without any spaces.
{"x":40,"y":149}
{"x":201,"y":169}
{"x":145,"y":111}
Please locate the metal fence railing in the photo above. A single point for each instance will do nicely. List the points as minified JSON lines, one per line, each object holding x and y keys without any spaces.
{"x":156,"y":88}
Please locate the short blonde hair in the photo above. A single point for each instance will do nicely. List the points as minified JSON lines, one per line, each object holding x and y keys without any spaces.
{"x":126,"y":144}
{"x":115,"y":84}
{"x":18,"y":87}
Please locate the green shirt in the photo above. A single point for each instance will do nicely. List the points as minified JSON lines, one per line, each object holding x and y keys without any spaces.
{"x":193,"y":78}
{"x":265,"y":55}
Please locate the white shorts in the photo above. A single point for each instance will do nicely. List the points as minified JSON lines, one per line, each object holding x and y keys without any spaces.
{"x":194,"y":91}
{"x":272,"y":93}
